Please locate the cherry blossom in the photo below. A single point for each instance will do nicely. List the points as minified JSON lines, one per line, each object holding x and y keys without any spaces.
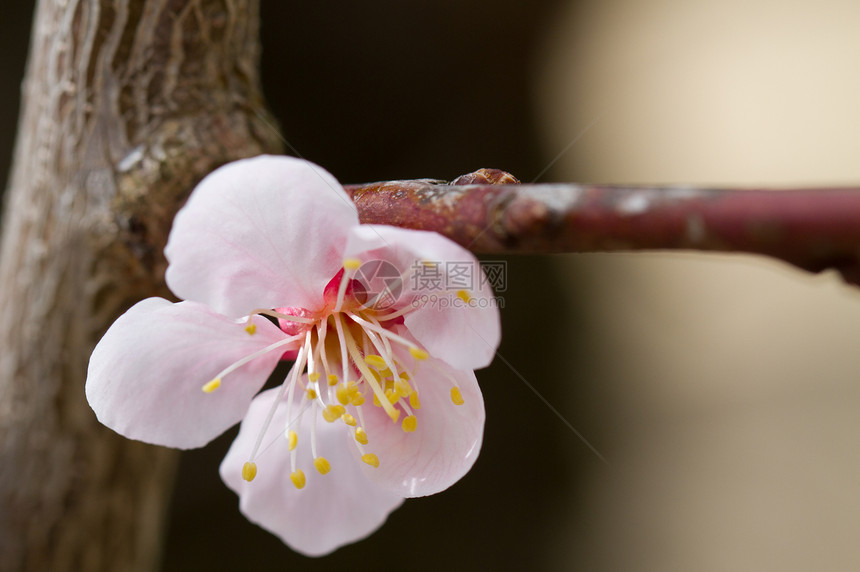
{"x":384,"y":327}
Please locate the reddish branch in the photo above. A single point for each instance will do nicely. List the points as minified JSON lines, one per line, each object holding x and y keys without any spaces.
{"x":814,"y":229}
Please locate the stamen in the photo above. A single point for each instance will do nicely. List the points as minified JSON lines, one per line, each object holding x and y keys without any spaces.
{"x":251,"y":329}
{"x":344,"y":358}
{"x":312,"y":394}
{"x":365,"y":371}
{"x":212,"y":385}
{"x":418,"y":353}
{"x":384,"y":332}
{"x":249,"y":471}
{"x":298,"y":366}
{"x":292,"y":440}
{"x":404,"y":310}
{"x":456,"y":396}
{"x":352,"y":263}
{"x":403,"y":388}
{"x":236,"y":365}
{"x":410,"y":424}
{"x":375,"y":360}
{"x":361,"y":436}
{"x":413,"y":400}
{"x":332,"y":379}
{"x":348,"y":419}
{"x":322,"y":465}
{"x":298,"y":478}
{"x":314,"y":431}
{"x":393,"y":396}
{"x":333,"y":412}
{"x":349,"y":266}
{"x":342,"y":394}
{"x":389,"y":367}
{"x":370,"y":459}
{"x":464,"y":296}
{"x":313,"y":377}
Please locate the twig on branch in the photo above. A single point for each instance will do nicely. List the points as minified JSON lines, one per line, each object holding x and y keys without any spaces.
{"x":814,"y":229}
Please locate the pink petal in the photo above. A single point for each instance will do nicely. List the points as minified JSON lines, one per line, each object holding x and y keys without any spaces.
{"x":444,"y":446}
{"x":145,"y":375}
{"x":334,"y":509}
{"x":464,"y":334}
{"x":259,"y":233}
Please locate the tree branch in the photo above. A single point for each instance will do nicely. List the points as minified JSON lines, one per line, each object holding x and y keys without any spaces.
{"x":814,"y":229}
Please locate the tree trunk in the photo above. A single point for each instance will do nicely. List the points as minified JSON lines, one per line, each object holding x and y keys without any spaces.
{"x":126,"y":105}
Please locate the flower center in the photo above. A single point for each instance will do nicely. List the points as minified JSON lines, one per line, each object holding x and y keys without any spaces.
{"x":352,"y":359}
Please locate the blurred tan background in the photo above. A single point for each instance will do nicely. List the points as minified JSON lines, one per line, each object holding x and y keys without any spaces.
{"x":722,"y":390}
{"x":734,"y":381}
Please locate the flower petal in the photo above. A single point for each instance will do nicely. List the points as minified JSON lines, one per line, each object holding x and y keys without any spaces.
{"x":456,"y":317}
{"x":145,"y":375}
{"x":334,"y":509}
{"x":446,"y":442}
{"x":265,"y":232}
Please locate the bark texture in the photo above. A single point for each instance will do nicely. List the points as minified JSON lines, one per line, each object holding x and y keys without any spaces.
{"x":126,"y":105}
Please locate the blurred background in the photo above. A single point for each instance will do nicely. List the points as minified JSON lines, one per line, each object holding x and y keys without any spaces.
{"x":722,"y":390}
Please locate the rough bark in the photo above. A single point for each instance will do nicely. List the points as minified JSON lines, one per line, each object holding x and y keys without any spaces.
{"x":126,"y":104}
{"x":814,"y":229}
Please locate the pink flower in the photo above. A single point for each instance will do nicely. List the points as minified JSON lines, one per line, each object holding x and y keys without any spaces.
{"x":385,"y":326}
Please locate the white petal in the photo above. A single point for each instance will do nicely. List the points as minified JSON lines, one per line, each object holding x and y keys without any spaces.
{"x":265,"y":232}
{"x":145,"y":375}
{"x":463,"y":333}
{"x":332,"y":510}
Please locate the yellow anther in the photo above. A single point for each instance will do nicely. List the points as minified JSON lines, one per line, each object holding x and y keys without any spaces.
{"x":370,"y":459}
{"x":249,"y":471}
{"x":292,"y":439}
{"x":404,"y":376}
{"x":376,"y":400}
{"x":394,"y":414}
{"x":251,"y":329}
{"x":352,"y":388}
{"x":375,"y":361}
{"x":361,"y":436}
{"x":429,"y":263}
{"x":314,"y":377}
{"x":414,"y":403}
{"x":393,"y":396}
{"x":385,"y":372}
{"x":298,"y":479}
{"x":410,"y":424}
{"x":403,"y":388}
{"x":342,"y":394}
{"x":322,"y":465}
{"x":332,"y":379}
{"x":212,"y":385}
{"x":456,"y":396}
{"x":312,"y":394}
{"x":351,"y":263}
{"x":333,"y":412}
{"x":357,"y":399}
{"x":418,"y":353}
{"x":464,"y":296}
{"x":348,"y":419}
